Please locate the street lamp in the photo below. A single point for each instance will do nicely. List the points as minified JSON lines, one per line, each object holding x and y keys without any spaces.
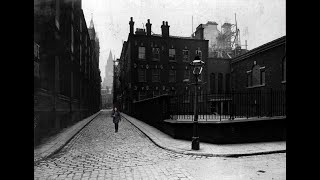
{"x":197,"y":69}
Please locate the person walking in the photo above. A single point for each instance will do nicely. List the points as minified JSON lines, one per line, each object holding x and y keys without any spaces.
{"x":116,"y":118}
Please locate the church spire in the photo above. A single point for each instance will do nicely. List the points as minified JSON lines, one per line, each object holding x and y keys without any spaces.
{"x":91,"y":22}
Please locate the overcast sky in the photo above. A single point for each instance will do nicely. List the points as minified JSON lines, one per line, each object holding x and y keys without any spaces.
{"x":259,"y":21}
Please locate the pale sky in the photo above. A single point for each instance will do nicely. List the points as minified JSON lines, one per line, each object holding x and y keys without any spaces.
{"x":259,"y":21}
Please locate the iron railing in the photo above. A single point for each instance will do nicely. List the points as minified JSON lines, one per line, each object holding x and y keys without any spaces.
{"x":246,"y":104}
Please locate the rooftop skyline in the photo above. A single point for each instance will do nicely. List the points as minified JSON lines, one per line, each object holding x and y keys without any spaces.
{"x":259,"y":21}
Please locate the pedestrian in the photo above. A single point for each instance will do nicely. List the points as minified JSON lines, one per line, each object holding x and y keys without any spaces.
{"x":116,"y":118}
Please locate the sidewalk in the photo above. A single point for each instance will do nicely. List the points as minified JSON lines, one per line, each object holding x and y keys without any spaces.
{"x":55,"y":143}
{"x":206,"y":149}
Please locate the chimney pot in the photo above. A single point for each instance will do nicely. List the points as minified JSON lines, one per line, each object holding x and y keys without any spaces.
{"x":162,"y":22}
{"x":167,"y":23}
{"x":148,"y":20}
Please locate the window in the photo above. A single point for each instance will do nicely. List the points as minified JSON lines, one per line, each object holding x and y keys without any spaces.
{"x":156,"y":93}
{"x":185,"y":54}
{"x":186,"y":75}
{"x":142,"y":75}
{"x":262,"y":77}
{"x":57,"y":13}
{"x":212,"y":83}
{"x":256,"y":76}
{"x":284,"y":69}
{"x":155,"y":75}
{"x":172,"y":54}
{"x":156,"y":54}
{"x":228,"y":83}
{"x":142,"y":95}
{"x":36,"y":48}
{"x":142,"y":53}
{"x":199,"y":53}
{"x":71,"y":44}
{"x":220,"y":78}
{"x":172,"y":76}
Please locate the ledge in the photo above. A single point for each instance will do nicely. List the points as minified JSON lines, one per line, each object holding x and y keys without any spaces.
{"x":283,"y":82}
{"x":256,"y":86}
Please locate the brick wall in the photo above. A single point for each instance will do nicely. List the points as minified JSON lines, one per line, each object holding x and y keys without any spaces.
{"x":270,"y":58}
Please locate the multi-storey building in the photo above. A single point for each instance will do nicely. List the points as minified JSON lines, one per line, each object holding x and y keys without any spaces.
{"x":157,"y":64}
{"x":66,"y":71}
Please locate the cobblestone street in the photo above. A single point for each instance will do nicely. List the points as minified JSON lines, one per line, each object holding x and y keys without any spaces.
{"x":97,"y":152}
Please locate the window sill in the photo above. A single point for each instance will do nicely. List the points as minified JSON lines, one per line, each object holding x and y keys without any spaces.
{"x":172,"y":61}
{"x":283,"y":82}
{"x":256,"y":86}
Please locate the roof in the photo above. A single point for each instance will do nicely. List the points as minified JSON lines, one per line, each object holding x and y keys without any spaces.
{"x":262,"y":48}
{"x":178,"y":37}
{"x":212,"y":23}
{"x":226,"y":24}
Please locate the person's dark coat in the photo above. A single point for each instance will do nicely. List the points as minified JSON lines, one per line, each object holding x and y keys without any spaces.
{"x":116,"y":116}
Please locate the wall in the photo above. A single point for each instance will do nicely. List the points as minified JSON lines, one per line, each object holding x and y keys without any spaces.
{"x":68,"y":88}
{"x":269,"y":55}
{"x":216,"y":66}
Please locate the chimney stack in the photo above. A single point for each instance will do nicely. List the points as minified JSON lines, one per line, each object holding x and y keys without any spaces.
{"x":131,"y":25}
{"x":148,"y":25}
{"x":165,"y":29}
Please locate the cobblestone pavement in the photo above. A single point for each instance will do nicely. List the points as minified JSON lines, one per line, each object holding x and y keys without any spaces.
{"x":97,"y":152}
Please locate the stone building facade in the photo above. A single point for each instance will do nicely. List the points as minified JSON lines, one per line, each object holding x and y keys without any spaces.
{"x":67,"y":76}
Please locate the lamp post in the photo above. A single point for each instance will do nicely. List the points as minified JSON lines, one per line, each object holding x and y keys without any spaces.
{"x":197,"y":69}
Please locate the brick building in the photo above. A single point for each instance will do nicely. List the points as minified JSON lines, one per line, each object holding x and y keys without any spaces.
{"x":157,"y":64}
{"x":66,"y":72}
{"x":261,"y":68}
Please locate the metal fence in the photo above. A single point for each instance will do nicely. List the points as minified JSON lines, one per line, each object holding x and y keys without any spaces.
{"x":225,"y":106}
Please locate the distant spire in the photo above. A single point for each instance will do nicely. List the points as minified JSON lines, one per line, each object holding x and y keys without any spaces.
{"x":91,"y":22}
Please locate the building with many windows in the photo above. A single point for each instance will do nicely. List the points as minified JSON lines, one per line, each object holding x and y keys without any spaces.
{"x":66,"y":66}
{"x":157,"y":64}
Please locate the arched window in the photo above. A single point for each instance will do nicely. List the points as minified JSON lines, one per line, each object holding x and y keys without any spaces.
{"x":220,"y":80}
{"x":256,"y":76}
{"x":212,"y":83}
